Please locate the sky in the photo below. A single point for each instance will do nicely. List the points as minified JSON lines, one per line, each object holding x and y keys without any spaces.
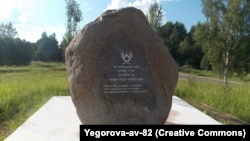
{"x":33,"y":17}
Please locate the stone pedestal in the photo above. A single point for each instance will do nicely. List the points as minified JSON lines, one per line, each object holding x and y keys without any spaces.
{"x":57,"y":120}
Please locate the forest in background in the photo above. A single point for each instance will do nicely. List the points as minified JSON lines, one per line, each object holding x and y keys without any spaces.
{"x":220,"y":44}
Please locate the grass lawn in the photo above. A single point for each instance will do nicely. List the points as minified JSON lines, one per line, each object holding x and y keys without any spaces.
{"x":233,"y":100}
{"x":23,"y":90}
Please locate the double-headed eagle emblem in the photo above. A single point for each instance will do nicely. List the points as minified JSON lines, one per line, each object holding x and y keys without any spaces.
{"x":126,"y":56}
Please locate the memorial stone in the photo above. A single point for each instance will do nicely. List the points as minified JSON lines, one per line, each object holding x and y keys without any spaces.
{"x":120,"y":72}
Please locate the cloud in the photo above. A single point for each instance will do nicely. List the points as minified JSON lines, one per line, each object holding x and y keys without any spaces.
{"x":117,"y":4}
{"x":87,"y":7}
{"x":6,"y":8}
{"x":140,"y":4}
{"x":35,"y":32}
{"x":24,"y":17}
{"x":21,"y":14}
{"x":16,"y":10}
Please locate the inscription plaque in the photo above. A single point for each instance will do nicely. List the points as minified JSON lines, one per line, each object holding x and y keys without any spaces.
{"x":128,"y":71}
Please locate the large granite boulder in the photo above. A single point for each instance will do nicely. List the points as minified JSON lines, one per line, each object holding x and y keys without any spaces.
{"x":120,"y":72}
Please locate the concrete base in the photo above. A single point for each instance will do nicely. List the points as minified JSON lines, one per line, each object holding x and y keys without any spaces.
{"x":57,"y":120}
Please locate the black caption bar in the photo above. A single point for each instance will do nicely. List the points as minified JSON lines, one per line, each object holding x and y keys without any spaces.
{"x":163,"y":131}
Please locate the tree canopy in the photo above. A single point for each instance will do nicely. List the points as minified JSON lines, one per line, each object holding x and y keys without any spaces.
{"x":14,"y":51}
{"x":74,"y":16}
{"x":155,"y":16}
{"x":47,"y":48}
{"x":7,"y":30}
{"x":225,"y":35}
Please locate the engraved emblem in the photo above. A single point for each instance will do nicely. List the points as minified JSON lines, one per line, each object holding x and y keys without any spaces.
{"x":126,"y":56}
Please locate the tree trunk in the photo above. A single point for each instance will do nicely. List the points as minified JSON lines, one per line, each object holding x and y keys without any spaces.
{"x":226,"y":69}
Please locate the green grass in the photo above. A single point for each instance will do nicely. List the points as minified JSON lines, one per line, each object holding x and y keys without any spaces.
{"x":233,"y":99}
{"x":25,"y":89}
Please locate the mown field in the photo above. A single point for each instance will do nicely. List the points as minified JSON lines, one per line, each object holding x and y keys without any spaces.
{"x":23,"y":90}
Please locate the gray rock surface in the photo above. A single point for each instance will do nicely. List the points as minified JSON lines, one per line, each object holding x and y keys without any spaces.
{"x":119,"y":71}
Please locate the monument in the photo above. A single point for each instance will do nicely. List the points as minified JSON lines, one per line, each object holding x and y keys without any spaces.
{"x":120,"y":72}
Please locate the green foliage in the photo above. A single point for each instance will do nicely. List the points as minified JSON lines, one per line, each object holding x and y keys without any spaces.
{"x":14,"y":51}
{"x":188,"y":69}
{"x":225,"y":35}
{"x":7,"y":30}
{"x":47,"y":49}
{"x":181,"y":44}
{"x":74,"y":16}
{"x":172,"y":34}
{"x":205,"y":64}
{"x":155,"y":16}
{"x":190,"y":52}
